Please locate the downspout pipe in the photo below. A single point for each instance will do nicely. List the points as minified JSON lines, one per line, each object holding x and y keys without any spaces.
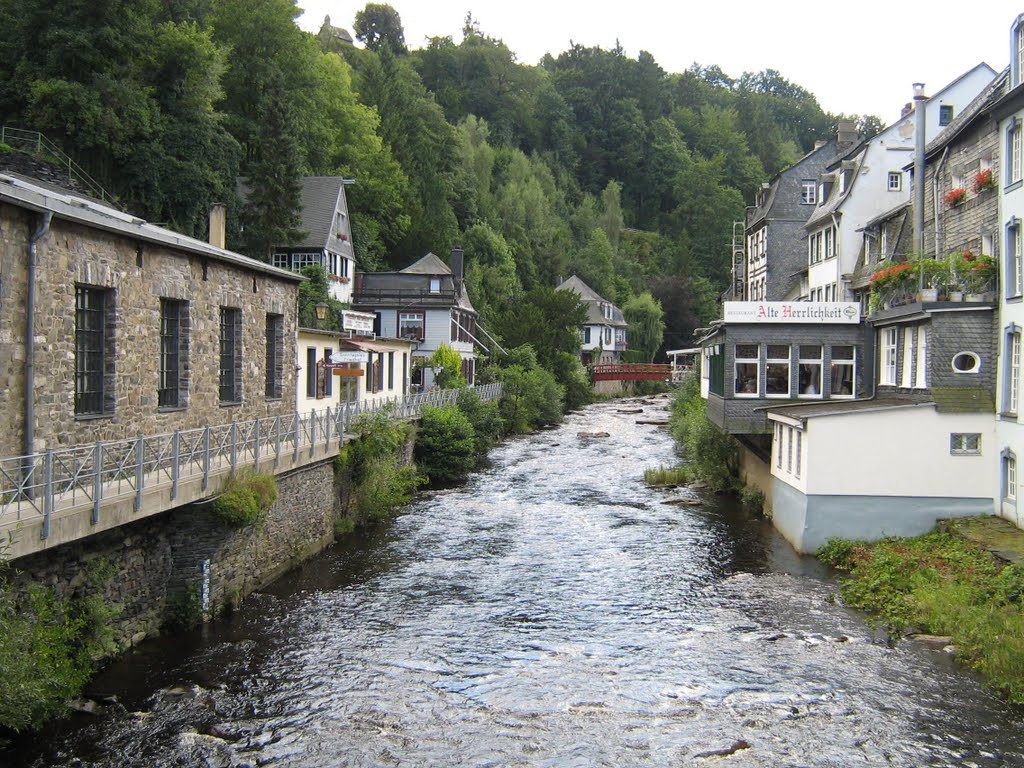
{"x":920,"y":127}
{"x":30,"y":333}
{"x":939,"y":244}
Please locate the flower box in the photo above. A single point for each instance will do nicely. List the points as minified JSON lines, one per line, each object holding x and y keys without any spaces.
{"x":955,"y":197}
{"x":983,"y":181}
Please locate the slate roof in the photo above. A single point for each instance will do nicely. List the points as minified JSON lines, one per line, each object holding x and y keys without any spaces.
{"x":428,"y":265}
{"x":25,"y":193}
{"x":593,"y":301}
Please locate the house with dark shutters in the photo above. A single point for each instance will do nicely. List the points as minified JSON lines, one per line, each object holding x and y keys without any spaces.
{"x":603,"y":335}
{"x":426,"y":303}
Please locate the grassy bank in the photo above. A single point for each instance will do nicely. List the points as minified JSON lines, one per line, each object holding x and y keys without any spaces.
{"x":940,"y":584}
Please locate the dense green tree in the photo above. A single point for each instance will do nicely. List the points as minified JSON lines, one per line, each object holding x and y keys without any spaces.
{"x":379,"y":25}
{"x":646,"y":324}
{"x":272,"y":211}
{"x":490,"y":271}
{"x":546,"y":319}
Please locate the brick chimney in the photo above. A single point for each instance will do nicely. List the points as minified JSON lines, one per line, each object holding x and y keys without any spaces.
{"x":218,"y":224}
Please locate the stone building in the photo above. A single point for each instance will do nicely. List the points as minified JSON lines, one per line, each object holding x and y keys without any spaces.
{"x":136,"y":329}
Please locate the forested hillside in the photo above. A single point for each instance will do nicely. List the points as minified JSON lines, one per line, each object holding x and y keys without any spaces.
{"x":591,"y":162}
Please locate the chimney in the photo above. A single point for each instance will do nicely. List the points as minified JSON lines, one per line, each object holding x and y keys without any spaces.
{"x":218,"y":224}
{"x":846,"y":133}
{"x":457,"y":268}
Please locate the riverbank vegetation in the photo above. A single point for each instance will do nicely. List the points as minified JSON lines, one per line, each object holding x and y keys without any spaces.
{"x":940,"y":584}
{"x":49,"y":646}
{"x":709,"y":454}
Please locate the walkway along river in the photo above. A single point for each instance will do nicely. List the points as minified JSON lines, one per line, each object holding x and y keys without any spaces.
{"x":552,"y":612}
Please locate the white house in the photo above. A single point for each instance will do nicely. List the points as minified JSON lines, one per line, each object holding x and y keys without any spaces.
{"x":868,"y":181}
{"x":327,"y":235}
{"x":603,"y":336}
{"x":876,"y":468}
{"x":1009,"y":111}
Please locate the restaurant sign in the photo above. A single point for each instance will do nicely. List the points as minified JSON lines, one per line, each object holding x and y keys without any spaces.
{"x":821,"y":312}
{"x":359,"y":322}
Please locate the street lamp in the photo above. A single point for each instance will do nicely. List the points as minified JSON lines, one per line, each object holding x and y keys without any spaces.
{"x":321,"y":311}
{"x":437,"y":369}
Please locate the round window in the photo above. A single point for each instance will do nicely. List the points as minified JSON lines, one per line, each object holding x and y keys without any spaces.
{"x":966,"y":362}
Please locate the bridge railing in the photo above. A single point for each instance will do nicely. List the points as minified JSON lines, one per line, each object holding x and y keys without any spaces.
{"x":42,"y":484}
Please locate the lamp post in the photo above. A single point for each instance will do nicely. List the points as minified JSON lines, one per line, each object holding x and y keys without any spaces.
{"x":321,"y":312}
{"x":437,"y":369}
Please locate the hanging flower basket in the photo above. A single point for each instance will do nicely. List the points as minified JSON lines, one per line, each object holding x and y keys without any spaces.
{"x":983,"y":181}
{"x":955,"y":197}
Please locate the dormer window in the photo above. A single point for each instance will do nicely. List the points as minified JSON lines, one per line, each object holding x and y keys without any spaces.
{"x":808,"y":191}
{"x":435,"y":285}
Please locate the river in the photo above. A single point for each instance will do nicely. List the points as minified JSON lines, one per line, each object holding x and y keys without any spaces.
{"x":550,"y":612}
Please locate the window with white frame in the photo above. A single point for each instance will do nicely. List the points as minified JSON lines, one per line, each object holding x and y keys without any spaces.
{"x":1009,"y":477}
{"x":789,"y":450}
{"x":895,"y":181}
{"x":809,"y":370}
{"x":778,"y":445}
{"x":748,"y":370}
{"x":908,"y":352}
{"x":957,"y":181}
{"x":829,"y":249}
{"x":435,"y":285}
{"x":920,"y":371}
{"x":777,"y":370}
{"x":1013,"y":151}
{"x":883,"y":247}
{"x":1014,"y":259}
{"x":808,"y":192}
{"x":945,"y":114}
{"x":986,"y":245}
{"x":887,"y":371}
{"x":799,"y":452}
{"x":1019,"y":50}
{"x":1012,"y":373}
{"x":411,"y":325}
{"x":814,"y":248}
{"x":843,"y":370}
{"x":965,"y":443}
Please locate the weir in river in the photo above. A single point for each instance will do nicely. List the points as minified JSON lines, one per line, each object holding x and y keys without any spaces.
{"x":553,"y":611}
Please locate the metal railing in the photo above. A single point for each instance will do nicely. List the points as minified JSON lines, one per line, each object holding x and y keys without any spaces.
{"x":40,"y":145}
{"x":42,"y":484}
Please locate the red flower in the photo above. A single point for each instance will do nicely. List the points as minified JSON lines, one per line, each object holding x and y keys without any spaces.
{"x":955,"y":196}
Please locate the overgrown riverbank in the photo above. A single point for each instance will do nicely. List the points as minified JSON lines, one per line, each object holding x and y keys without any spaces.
{"x":941,"y":584}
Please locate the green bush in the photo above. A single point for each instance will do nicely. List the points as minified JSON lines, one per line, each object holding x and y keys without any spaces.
{"x":387,"y":486}
{"x":752,"y":499}
{"x":712,"y":454}
{"x":572,"y":376}
{"x":185,"y":611}
{"x":667,"y":476}
{"x":486,"y":421}
{"x":48,"y":649}
{"x":245,"y":499}
{"x":445,"y":445}
{"x":942,"y":585}
{"x":378,"y":435}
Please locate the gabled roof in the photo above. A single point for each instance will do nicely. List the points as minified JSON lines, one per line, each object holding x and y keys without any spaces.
{"x":978,"y":107}
{"x":585,"y":291}
{"x":321,"y":198}
{"x":428,"y":265}
{"x":761,"y":212}
{"x":593,"y":300}
{"x":25,"y":193}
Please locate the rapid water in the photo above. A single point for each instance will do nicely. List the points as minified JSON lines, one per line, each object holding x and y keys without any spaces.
{"x":551,"y":612}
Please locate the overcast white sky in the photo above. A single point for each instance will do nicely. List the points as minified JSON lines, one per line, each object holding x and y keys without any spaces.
{"x":859,"y":56}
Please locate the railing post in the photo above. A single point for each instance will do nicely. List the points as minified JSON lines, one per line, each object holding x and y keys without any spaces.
{"x":327,"y":429}
{"x":277,"y":441}
{"x":234,"y":446}
{"x":206,"y":458}
{"x":312,"y":433}
{"x":47,"y":492}
{"x":295,"y":442}
{"x":256,"y":438}
{"x":175,"y":462}
{"x":97,"y":480}
{"x":140,"y":453}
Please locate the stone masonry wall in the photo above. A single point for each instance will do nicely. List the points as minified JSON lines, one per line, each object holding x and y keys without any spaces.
{"x":137,"y":275}
{"x":156,"y":559}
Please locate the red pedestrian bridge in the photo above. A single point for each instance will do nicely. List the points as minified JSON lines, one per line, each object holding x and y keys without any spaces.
{"x":631,"y":372}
